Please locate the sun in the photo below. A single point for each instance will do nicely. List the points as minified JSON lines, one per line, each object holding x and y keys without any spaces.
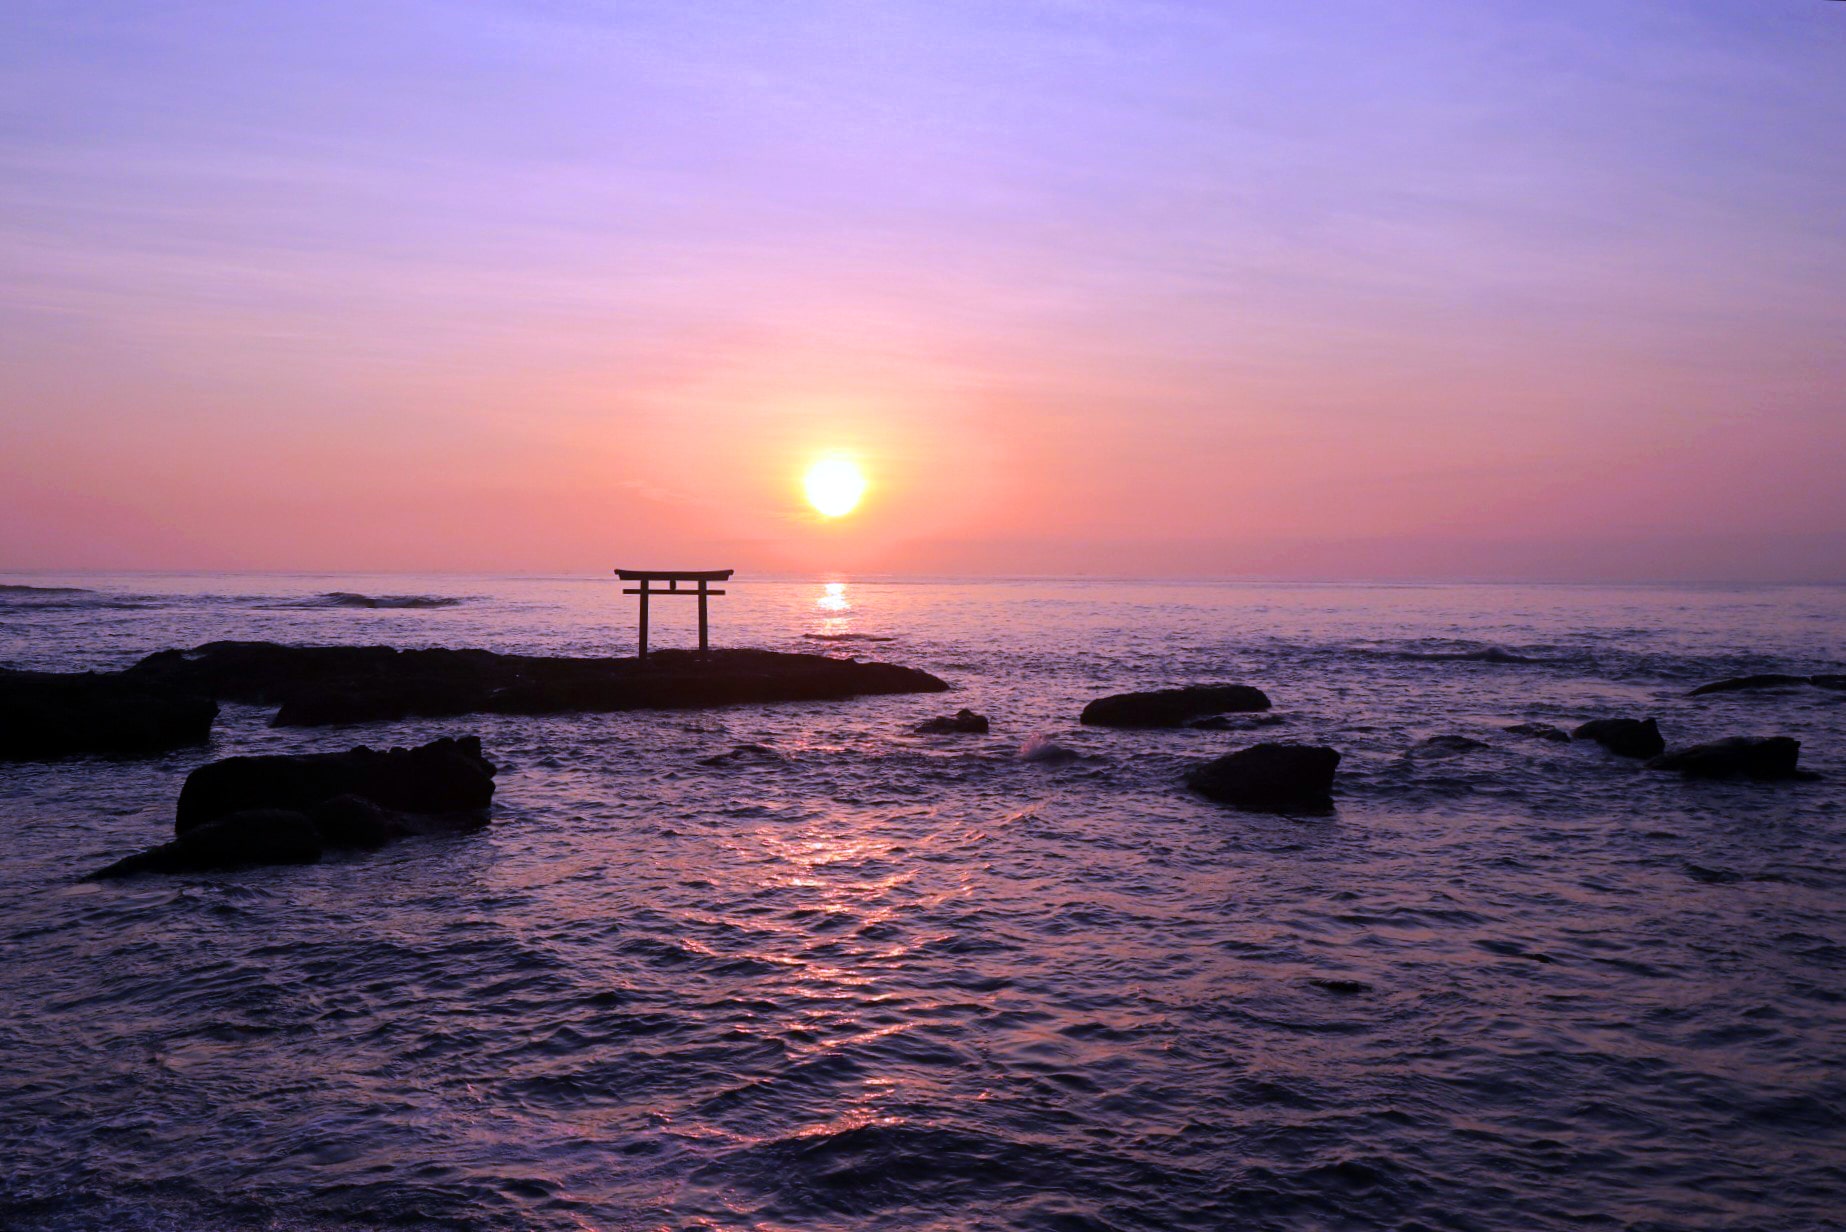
{"x":834,"y":486}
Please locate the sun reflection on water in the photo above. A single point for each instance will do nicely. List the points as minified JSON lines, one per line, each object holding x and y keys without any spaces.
{"x":833,"y":598}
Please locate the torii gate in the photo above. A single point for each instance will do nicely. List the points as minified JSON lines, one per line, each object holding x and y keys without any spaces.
{"x":673,"y":577}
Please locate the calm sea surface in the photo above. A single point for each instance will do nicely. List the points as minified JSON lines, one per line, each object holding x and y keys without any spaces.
{"x":885,"y":981}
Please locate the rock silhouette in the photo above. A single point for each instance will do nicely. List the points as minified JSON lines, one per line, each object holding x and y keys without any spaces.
{"x":962,"y":722}
{"x":443,"y":776}
{"x":1764,"y":680}
{"x":1274,"y":778}
{"x":1173,"y":707}
{"x":168,"y":699}
{"x":1736,"y":757}
{"x":246,"y":811}
{"x":1624,"y":737}
{"x":49,"y":714}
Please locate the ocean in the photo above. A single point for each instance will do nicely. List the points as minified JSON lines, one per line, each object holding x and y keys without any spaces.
{"x":865,"y":979}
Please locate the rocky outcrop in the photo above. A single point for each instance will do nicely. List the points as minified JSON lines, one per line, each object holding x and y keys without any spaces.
{"x":169,"y":698}
{"x":1173,"y":707}
{"x":963,"y":722}
{"x":1763,"y":758}
{"x":1624,"y":737}
{"x":444,"y":776}
{"x":1764,"y":680}
{"x":247,"y":811}
{"x":1271,"y":778}
{"x":1540,"y":731}
{"x":45,"y":714}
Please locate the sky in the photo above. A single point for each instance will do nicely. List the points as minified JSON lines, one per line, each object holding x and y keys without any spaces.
{"x":1367,"y":289}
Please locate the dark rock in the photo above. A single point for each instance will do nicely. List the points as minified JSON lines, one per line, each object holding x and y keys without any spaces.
{"x":444,"y":776}
{"x":354,"y":821}
{"x":1624,"y":737}
{"x":234,"y":840}
{"x":1277,"y":778}
{"x":319,"y":685}
{"x":757,"y":754}
{"x":244,"y":811}
{"x":1766,"y":680}
{"x":1446,"y":746}
{"x":1341,"y":988}
{"x":1541,"y":731}
{"x":47,"y":714}
{"x":1241,"y":722}
{"x":1737,"y":757}
{"x":962,"y":722}
{"x":1172,"y":707}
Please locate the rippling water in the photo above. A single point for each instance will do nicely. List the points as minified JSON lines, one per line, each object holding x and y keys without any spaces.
{"x":874,"y":980}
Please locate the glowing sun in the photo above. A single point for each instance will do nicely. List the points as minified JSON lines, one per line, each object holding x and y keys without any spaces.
{"x":834,"y":486}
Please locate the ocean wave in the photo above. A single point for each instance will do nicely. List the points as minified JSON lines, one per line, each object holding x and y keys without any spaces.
{"x":1476,"y":654}
{"x":79,"y":601}
{"x":13,"y":588}
{"x":347,"y":598}
{"x":847,"y":637}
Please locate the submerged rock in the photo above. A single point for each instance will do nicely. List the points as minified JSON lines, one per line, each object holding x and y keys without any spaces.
{"x":962,"y":722}
{"x":246,"y":811}
{"x":48,"y":714}
{"x":1764,"y":680}
{"x":745,"y":754}
{"x":1274,"y":778}
{"x":1445,"y":746}
{"x":244,"y":839}
{"x":1624,"y":737}
{"x":1736,"y":757}
{"x":1240,"y":722}
{"x":1172,"y":707}
{"x":1540,"y":731}
{"x":1043,"y":749}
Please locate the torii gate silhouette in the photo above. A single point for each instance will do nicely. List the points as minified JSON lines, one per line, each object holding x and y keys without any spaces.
{"x":673,"y":577}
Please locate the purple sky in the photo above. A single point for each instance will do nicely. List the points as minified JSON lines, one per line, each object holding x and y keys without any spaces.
{"x":1366,"y":290}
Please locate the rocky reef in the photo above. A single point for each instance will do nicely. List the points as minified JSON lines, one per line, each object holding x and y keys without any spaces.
{"x":169,"y":698}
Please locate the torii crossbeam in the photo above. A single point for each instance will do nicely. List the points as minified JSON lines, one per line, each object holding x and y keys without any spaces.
{"x":673,"y":577}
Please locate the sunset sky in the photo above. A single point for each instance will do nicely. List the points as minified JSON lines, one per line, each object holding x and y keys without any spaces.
{"x":1381,"y":289}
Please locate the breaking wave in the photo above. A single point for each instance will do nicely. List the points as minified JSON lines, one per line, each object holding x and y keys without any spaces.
{"x":346,"y":598}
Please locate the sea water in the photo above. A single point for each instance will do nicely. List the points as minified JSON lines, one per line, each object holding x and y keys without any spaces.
{"x":876,"y":980}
